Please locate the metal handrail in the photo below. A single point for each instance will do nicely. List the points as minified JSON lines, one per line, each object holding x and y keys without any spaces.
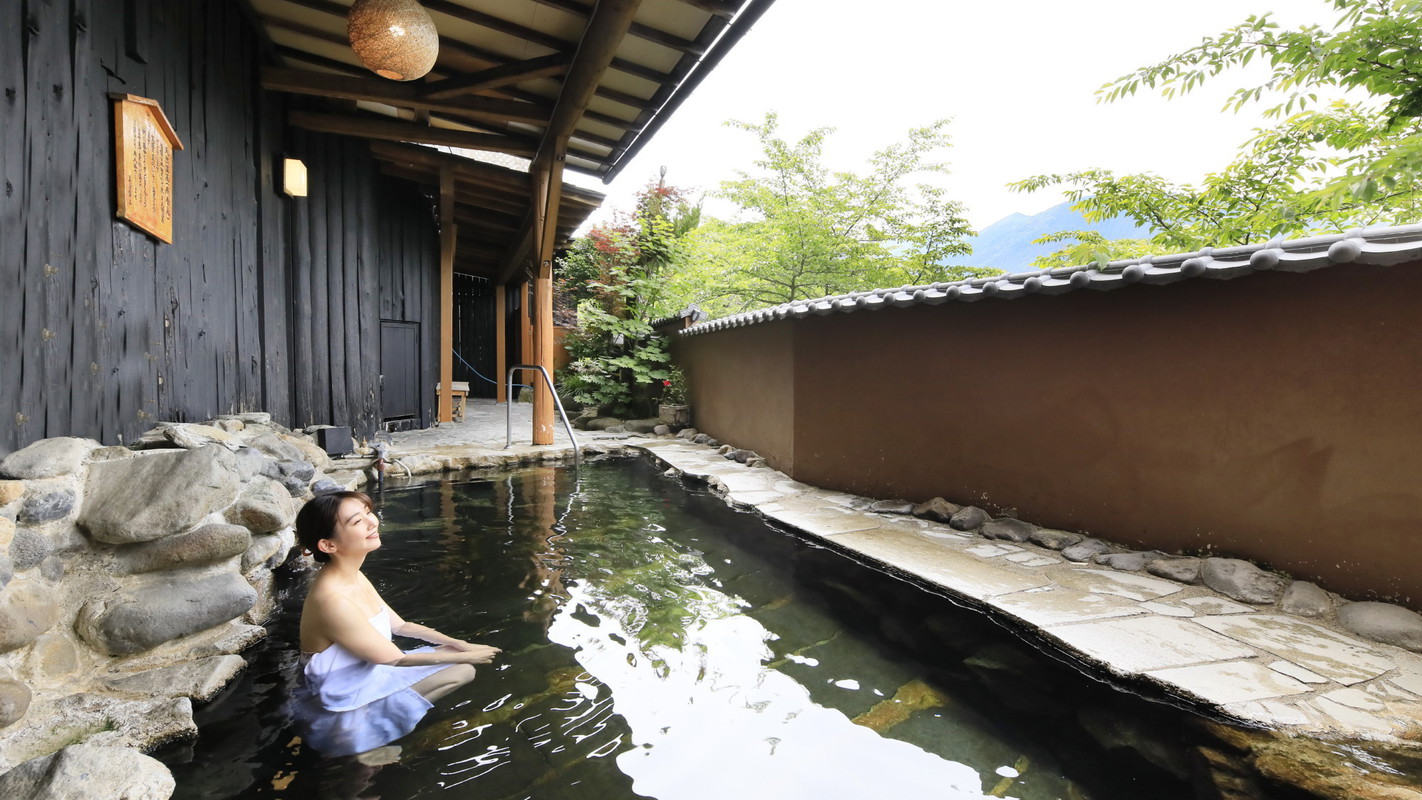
{"x":508,"y":417}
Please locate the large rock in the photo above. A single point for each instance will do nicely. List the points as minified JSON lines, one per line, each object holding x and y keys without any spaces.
{"x":1383,"y":622}
{"x":937,"y":509}
{"x":1053,"y":539}
{"x":10,"y":491}
{"x":47,"y":506}
{"x":1305,"y":600}
{"x":1125,"y":562}
{"x":1180,"y":570}
{"x":48,"y":458}
{"x":263,"y":548}
{"x":968,"y":518}
{"x":195,"y":437}
{"x":277,"y":447}
{"x":1085,"y":550}
{"x":29,"y":548}
{"x":201,"y":679}
{"x":52,"y":657}
{"x":251,"y":462}
{"x":264,"y":506}
{"x":1008,"y":529}
{"x":147,"y":498}
{"x":207,"y":544}
{"x":14,"y":702}
{"x":140,"y":619}
{"x":26,"y":612}
{"x":641,"y":425}
{"x":888,"y":506}
{"x":294,"y":476}
{"x":89,"y":772}
{"x":1241,"y":580}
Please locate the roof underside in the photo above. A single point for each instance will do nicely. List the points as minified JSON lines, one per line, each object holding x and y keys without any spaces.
{"x":513,"y":77}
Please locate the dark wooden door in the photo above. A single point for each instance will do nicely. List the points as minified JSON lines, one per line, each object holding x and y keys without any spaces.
{"x":399,"y":369}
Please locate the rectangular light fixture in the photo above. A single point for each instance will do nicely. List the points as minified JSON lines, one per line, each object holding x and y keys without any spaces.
{"x":293,"y":177}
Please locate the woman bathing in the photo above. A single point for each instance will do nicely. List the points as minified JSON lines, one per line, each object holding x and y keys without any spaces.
{"x":359,"y":691}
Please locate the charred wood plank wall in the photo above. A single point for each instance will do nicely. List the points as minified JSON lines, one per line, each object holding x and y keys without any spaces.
{"x":262,"y":302}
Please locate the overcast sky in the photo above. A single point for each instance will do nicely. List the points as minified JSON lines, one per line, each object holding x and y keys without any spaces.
{"x":1018,"y":78}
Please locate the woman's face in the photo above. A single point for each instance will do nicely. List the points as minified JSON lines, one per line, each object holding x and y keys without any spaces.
{"x":357,"y":529}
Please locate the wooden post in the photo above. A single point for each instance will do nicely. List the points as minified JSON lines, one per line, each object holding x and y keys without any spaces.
{"x":547,"y":192}
{"x":501,"y":359}
{"x":447,"y":242}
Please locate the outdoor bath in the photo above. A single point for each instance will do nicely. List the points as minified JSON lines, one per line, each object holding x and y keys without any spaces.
{"x":659,"y":643}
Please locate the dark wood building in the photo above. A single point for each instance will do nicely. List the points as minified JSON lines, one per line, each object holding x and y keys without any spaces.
{"x":298,"y":305}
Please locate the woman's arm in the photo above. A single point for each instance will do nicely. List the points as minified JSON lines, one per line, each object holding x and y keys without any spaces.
{"x":344,"y":624}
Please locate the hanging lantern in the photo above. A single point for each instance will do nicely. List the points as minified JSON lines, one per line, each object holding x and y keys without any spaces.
{"x":395,"y":39}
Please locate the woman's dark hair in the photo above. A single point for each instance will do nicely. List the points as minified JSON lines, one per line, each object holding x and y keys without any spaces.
{"x":317,"y":520}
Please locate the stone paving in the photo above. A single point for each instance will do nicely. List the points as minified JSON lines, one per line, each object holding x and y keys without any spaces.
{"x":1249,"y":663}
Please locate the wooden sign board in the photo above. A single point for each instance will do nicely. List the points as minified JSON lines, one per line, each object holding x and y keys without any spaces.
{"x":143,"y":157}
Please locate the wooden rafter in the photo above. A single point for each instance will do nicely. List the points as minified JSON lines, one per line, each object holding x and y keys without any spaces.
{"x":497,"y":77}
{"x":400,"y":95}
{"x":393,"y":131}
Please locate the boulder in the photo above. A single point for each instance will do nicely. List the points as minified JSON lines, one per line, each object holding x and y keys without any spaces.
{"x":294,"y":476}
{"x":207,"y":544}
{"x":1305,"y":599}
{"x":52,"y":657}
{"x":14,"y":702}
{"x":1240,"y":580}
{"x":1180,"y":570}
{"x":603,"y":423}
{"x":140,"y":619}
{"x":1007,"y":528}
{"x":662,"y":430}
{"x":48,"y":458}
{"x":968,"y":518}
{"x":687,"y":433}
{"x":29,"y":548}
{"x":937,"y":509}
{"x":1125,"y":562}
{"x":266,"y":505}
{"x":262,"y":549}
{"x":82,"y":771}
{"x":250,"y":462}
{"x":25,"y":612}
{"x":641,"y":425}
{"x":1383,"y":622}
{"x":891,"y":507}
{"x":10,"y":491}
{"x":1053,"y":539}
{"x":47,"y":506}
{"x":200,"y":680}
{"x":1085,"y":550}
{"x":147,"y":498}
{"x":192,"y":436}
{"x":277,"y":447}
{"x":264,"y":583}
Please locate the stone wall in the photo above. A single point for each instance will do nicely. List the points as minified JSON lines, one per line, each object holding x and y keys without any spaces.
{"x":130,"y":579}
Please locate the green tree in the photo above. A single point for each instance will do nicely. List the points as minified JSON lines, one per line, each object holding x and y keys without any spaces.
{"x":1325,"y":164}
{"x":809,"y":232}
{"x":617,"y":275}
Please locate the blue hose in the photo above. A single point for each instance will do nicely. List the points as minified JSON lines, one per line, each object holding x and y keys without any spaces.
{"x":476,"y":372}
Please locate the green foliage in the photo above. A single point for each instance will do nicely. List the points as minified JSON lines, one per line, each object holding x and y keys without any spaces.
{"x":1091,"y":247}
{"x":1323,"y":165}
{"x":808,"y":232}
{"x":617,"y":274}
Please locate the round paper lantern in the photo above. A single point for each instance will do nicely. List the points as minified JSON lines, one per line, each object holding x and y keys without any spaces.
{"x":395,"y":39}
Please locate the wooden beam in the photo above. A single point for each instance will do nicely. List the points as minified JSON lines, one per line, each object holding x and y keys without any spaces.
{"x":605,"y":32}
{"x":647,"y":32}
{"x":390,"y":130}
{"x":448,"y":244}
{"x":400,"y":95}
{"x":493,"y":78}
{"x":501,"y":356}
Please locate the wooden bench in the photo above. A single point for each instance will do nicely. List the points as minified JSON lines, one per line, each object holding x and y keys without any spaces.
{"x":459,"y":391}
